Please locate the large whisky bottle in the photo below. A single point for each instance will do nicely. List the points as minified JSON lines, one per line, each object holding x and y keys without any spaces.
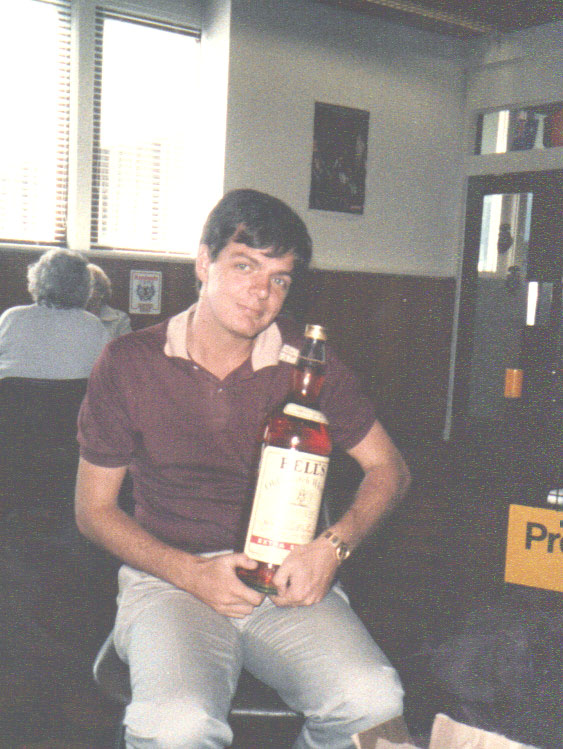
{"x":292,"y":470}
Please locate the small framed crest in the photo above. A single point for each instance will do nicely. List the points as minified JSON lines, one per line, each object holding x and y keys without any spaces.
{"x":145,"y":289}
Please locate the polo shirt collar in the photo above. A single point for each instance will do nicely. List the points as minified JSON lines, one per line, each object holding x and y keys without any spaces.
{"x":265,"y":352}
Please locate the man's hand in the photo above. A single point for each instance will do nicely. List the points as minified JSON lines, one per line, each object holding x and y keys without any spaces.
{"x":306,"y":574}
{"x":214,"y":581}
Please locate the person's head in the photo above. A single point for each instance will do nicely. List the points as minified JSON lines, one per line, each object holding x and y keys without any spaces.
{"x":60,"y":278}
{"x":259,"y":221}
{"x":253,"y":247}
{"x":101,"y":289}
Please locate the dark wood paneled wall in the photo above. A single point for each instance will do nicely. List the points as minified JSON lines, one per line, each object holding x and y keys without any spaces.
{"x":394,"y":330}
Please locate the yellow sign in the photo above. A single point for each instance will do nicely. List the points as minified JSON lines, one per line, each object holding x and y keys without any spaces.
{"x":534,"y":547}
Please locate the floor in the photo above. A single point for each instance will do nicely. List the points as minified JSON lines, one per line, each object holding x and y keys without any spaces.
{"x":414,"y":585}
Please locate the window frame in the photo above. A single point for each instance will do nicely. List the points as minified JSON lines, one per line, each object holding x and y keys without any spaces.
{"x":83,"y":66}
{"x":101,"y":15}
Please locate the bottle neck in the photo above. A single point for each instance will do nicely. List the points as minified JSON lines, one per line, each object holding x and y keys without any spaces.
{"x":309,"y":374}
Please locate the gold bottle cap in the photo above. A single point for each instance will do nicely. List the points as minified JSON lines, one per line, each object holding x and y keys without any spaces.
{"x":317,"y":332}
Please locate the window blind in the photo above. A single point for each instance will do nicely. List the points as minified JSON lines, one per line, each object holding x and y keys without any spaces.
{"x":145,"y":140}
{"x":34,"y":128}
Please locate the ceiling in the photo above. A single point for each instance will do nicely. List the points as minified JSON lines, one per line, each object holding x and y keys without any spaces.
{"x":463,"y":18}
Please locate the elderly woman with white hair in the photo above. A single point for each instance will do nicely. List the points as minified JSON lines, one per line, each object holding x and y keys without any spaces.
{"x":55,"y":337}
{"x":115,"y":321}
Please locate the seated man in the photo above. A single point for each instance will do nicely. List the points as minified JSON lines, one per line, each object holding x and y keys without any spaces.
{"x":180,"y":405}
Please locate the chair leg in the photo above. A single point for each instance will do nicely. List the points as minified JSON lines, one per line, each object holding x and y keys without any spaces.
{"x":120,"y":734}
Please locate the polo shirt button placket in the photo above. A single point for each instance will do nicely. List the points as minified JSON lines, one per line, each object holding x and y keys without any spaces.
{"x":220,"y":406}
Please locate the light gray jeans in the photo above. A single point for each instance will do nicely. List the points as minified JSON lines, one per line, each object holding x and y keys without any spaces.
{"x":185,"y":660}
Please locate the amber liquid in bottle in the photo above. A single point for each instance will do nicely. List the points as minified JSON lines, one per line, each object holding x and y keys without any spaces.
{"x":292,"y":471}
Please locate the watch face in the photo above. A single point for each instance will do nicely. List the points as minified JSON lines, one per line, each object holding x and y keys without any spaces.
{"x":340,"y":548}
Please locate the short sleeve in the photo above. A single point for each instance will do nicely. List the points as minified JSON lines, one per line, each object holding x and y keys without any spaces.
{"x":350,"y":412}
{"x":105,"y":430}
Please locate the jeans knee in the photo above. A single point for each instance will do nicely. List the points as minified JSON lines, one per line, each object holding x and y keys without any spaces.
{"x":175,"y":724}
{"x":375,"y":698}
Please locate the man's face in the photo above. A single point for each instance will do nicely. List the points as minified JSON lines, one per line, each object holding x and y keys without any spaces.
{"x":243,"y":290}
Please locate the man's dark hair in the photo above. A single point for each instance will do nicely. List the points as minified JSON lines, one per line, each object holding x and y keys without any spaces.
{"x":259,"y":221}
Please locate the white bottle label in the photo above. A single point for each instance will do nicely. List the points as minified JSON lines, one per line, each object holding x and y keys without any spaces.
{"x":286,"y":503}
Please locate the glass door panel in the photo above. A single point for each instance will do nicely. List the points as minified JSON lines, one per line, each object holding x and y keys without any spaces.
{"x":501,"y":299}
{"x":511,"y":298}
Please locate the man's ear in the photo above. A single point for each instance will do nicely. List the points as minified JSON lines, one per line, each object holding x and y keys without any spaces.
{"x":202,"y":262}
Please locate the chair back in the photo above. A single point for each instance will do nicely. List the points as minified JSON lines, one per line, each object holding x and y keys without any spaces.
{"x":111,"y":674}
{"x":38,"y":447}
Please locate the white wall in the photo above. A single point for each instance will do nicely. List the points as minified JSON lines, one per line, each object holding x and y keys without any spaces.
{"x":284,"y":56}
{"x":519,"y":69}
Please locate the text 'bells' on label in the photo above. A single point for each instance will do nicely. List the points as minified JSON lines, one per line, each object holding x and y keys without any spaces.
{"x":286,"y":503}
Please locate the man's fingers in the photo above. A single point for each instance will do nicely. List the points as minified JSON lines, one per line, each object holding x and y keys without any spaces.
{"x":241,"y":560}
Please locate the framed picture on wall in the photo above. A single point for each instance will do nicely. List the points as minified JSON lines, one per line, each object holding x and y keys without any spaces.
{"x":145,"y":287}
{"x":338,"y":166}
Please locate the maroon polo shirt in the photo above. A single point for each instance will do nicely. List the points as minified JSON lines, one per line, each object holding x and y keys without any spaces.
{"x":191,"y":440}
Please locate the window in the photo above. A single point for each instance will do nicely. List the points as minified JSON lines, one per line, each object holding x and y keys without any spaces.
{"x":506,"y":130}
{"x":117,"y":168}
{"x":505,"y":233}
{"x":145,"y":138}
{"x":34,"y":88}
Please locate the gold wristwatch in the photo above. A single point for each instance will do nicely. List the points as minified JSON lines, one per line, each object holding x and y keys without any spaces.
{"x":341,"y":549}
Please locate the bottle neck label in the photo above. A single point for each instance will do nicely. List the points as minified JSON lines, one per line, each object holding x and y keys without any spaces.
{"x":289,"y":354}
{"x":302,"y":412}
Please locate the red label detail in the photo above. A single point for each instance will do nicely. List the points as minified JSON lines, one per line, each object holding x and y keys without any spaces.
{"x":270,"y":542}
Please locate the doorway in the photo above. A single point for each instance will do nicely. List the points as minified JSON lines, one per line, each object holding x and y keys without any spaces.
{"x":510,"y":302}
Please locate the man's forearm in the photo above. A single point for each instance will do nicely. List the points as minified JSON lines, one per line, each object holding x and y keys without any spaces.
{"x":213,"y":581}
{"x":100,"y":519}
{"x":376,"y":496}
{"x":122,"y":536}
{"x":386,"y":480}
